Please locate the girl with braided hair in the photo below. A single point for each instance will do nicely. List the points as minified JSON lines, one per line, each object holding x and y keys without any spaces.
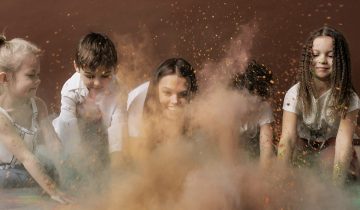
{"x":320,"y":111}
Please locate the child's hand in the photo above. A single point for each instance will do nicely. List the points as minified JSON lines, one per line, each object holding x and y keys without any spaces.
{"x":88,"y":110}
{"x":62,"y":198}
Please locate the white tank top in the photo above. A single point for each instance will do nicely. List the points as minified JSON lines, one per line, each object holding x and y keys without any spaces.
{"x":29,"y":137}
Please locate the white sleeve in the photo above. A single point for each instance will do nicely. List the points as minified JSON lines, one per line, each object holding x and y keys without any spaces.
{"x":116,"y":130}
{"x":354,"y":103}
{"x":291,"y":100}
{"x":267,"y":116}
{"x":66,"y":124}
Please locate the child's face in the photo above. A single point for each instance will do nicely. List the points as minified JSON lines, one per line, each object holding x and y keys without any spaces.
{"x":97,"y":81}
{"x":322,"y":57}
{"x":172,"y":95}
{"x":25,"y":81}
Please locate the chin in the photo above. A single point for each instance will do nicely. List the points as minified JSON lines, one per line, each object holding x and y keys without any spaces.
{"x":173,"y":115}
{"x":323,"y":77}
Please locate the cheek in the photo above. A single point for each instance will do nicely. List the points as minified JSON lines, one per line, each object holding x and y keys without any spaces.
{"x":182,"y":101}
{"x":330,"y":61}
{"x":163,"y":99}
{"x":105,"y":82}
{"x":86,"y":81}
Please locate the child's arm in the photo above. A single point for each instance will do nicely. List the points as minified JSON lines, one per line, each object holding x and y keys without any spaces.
{"x":16,"y":146}
{"x":343,"y":147}
{"x":116,"y":136}
{"x":288,"y":137}
{"x":266,"y":145}
{"x":66,"y":124}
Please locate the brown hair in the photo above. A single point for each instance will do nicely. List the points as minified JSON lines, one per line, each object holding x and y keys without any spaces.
{"x":96,"y":50}
{"x":257,"y":79}
{"x":340,"y":79}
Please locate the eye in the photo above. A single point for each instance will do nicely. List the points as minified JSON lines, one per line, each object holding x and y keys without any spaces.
{"x":166,"y":93}
{"x":315,"y":54}
{"x":183,"y":94}
{"x":90,"y":76}
{"x":31,"y":75}
{"x":105,"y":75}
{"x":331,"y":55}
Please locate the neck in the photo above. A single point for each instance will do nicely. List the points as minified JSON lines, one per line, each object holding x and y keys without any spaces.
{"x":321,"y":86}
{"x":11,"y":103}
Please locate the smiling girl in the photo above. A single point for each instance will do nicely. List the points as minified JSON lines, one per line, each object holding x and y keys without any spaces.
{"x":158,"y":110}
{"x":320,"y":111}
{"x":23,"y":119}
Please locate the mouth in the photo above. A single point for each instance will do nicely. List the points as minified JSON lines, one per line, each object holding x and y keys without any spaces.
{"x":322,"y":68}
{"x":172,"y":108}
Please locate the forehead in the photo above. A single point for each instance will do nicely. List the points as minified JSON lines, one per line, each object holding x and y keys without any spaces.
{"x":173,"y":82}
{"x":323,"y":43}
{"x":100,"y":70}
{"x":29,"y":62}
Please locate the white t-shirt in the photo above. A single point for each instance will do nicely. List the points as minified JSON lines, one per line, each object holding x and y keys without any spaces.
{"x":74,"y":92}
{"x":252,"y":130}
{"x":135,"y":106}
{"x":322,"y":123}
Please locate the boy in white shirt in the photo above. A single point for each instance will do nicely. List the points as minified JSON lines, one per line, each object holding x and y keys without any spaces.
{"x":90,"y":97}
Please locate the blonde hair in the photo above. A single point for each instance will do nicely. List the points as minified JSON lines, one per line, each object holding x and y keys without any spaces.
{"x":14,"y":51}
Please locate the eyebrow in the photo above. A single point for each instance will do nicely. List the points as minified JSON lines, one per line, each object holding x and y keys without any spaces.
{"x":315,"y":50}
{"x":170,"y":89}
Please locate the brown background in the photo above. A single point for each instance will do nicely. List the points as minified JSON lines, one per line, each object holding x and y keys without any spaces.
{"x":149,"y":31}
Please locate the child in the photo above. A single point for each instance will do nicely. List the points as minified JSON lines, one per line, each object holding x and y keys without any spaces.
{"x":89,"y":101}
{"x":157,"y":109}
{"x":23,"y":119}
{"x":258,"y":137}
{"x":322,"y":107}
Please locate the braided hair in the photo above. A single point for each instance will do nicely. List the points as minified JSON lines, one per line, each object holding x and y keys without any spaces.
{"x":340,"y":79}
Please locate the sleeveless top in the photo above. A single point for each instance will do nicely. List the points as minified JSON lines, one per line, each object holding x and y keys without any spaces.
{"x":29,"y":136}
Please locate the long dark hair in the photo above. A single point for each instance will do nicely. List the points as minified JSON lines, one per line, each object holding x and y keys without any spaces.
{"x":257,"y":79}
{"x":172,"y":66}
{"x":340,"y":79}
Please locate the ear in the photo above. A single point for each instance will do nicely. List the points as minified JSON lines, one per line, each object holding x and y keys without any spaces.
{"x":3,"y":77}
{"x":76,"y":67}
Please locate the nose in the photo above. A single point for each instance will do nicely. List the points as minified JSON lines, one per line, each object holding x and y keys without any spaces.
{"x":174,"y":99}
{"x":96,"y":82}
{"x":38,"y":81}
{"x":322,"y":59}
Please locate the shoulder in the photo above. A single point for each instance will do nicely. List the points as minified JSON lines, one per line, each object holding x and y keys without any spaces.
{"x":139,"y":90}
{"x":291,"y":99}
{"x":5,"y":122}
{"x":294,"y":90}
{"x":72,"y":83}
{"x":267,"y":115}
{"x":354,"y":96}
{"x":354,"y":102}
{"x":267,"y":107}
